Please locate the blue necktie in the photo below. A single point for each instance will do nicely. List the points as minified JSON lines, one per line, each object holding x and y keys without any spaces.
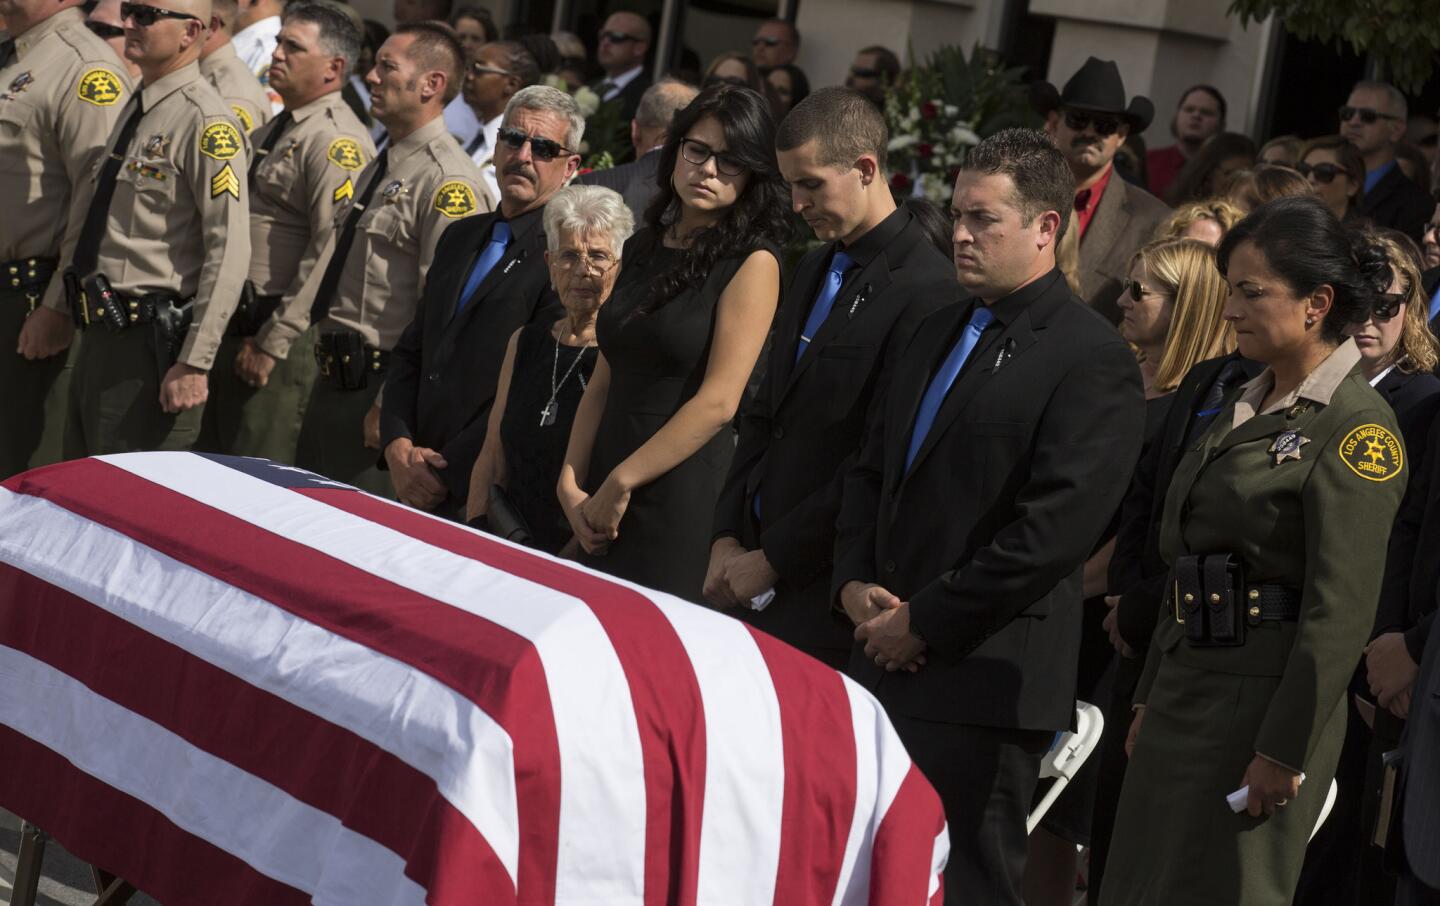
{"x":499,"y":240}
{"x":825,"y":301}
{"x":944,"y":378}
{"x":1435,"y":304}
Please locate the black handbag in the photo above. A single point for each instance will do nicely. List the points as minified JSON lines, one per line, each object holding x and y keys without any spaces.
{"x":504,"y":519}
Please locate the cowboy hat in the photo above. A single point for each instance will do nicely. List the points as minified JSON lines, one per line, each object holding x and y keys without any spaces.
{"x":1095,"y":88}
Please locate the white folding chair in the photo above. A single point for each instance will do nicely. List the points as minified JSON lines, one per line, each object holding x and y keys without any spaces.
{"x":1065,"y":757}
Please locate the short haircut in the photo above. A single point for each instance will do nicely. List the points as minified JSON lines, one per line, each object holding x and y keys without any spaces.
{"x":338,"y":35}
{"x":661,"y":101}
{"x":885,"y":60}
{"x":479,"y":14}
{"x":518,"y":61}
{"x":1398,"y":105}
{"x":844,"y":122}
{"x":436,"y":48}
{"x":586,"y":209}
{"x":545,"y":99}
{"x":226,"y":10}
{"x":1043,"y":180}
{"x":435,"y":10}
{"x":1208,"y":89}
{"x":788,"y":25}
{"x":647,"y":34}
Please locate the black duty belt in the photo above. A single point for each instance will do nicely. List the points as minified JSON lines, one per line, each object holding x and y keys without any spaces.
{"x":28,"y":276}
{"x":252,"y":313}
{"x":1212,"y":601}
{"x":347,"y":361}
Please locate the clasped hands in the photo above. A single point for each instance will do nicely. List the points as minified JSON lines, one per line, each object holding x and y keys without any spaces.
{"x":735,"y":575}
{"x":595,"y":518}
{"x":1391,"y":672}
{"x":414,"y":473}
{"x":882,"y":622}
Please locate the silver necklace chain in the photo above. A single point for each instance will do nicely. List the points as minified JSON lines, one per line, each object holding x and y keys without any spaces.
{"x":547,"y":415}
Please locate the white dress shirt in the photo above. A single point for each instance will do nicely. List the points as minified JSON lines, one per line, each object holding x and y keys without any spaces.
{"x":620,"y":81}
{"x":461,"y":121}
{"x":484,"y":155}
{"x":254,"y":44}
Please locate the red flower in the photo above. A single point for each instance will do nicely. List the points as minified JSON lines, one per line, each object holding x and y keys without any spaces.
{"x":583,"y":170}
{"x":928,"y":110}
{"x":924,"y":150}
{"x":899,"y":182}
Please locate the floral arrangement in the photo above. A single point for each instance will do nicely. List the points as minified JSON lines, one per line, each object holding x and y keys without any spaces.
{"x":607,"y":136}
{"x":937,"y":111}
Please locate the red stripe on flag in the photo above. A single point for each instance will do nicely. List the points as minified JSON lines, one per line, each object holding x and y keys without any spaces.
{"x":119,"y":833}
{"x":441,"y":640}
{"x":666,"y":695}
{"x":904,"y":847}
{"x":818,"y":735}
{"x":327,"y":767}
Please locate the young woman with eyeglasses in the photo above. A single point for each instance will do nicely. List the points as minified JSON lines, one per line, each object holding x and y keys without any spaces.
{"x":678,"y":341}
{"x":1337,"y":174}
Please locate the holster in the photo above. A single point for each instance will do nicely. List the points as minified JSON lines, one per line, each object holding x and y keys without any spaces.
{"x":252,"y":312}
{"x":169,"y":323}
{"x":1209,"y":592}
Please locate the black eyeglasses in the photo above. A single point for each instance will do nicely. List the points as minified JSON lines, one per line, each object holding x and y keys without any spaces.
{"x":145,"y":15}
{"x":105,"y":31}
{"x":617,"y":37}
{"x":1386,"y":306}
{"x":1323,"y":173}
{"x":768,"y":42}
{"x":544,"y":149}
{"x":1367,"y":115}
{"x":697,"y":153}
{"x":1102,"y":125}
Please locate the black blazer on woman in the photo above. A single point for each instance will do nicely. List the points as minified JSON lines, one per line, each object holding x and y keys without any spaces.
{"x":986,"y":533}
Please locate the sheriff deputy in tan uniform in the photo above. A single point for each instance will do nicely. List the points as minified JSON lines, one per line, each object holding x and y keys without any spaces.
{"x":227,"y":72}
{"x":381,"y":248}
{"x":60,"y":93}
{"x":162,"y":251}
{"x":307,"y":161}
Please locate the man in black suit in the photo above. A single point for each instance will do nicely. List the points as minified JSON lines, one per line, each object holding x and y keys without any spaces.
{"x":1373,"y":120}
{"x":850,"y":308}
{"x":1430,"y":280}
{"x":1420,"y":799}
{"x":488,"y":279}
{"x":635,"y":181}
{"x":624,"y":42}
{"x":999,"y":449}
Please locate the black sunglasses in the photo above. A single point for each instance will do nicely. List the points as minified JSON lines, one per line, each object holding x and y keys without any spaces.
{"x":617,"y":37}
{"x":104,"y":30}
{"x":1387,"y":306}
{"x":1324,"y":173}
{"x":1137,"y":290}
{"x":1103,"y":126}
{"x":1367,"y":116}
{"x":544,"y":149}
{"x":860,"y":72}
{"x":698,"y":153}
{"x":145,"y":15}
{"x":768,"y":42}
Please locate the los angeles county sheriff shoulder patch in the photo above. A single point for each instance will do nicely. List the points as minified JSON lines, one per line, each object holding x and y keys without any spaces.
{"x":455,"y":199}
{"x":345,"y":153}
{"x":1373,"y":453}
{"x":220,"y":141}
{"x":100,"y":87}
{"x":242,"y":116}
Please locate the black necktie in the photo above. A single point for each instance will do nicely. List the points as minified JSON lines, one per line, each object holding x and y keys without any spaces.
{"x":7,"y":52}
{"x":321,"y":307}
{"x":87,"y":247}
{"x":1232,"y":374}
{"x":476,"y":143}
{"x":282,"y":122}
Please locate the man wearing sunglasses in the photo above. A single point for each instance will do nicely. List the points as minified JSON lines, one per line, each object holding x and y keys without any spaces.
{"x":624,"y":42}
{"x":776,"y":43}
{"x":223,"y":67}
{"x":1088,"y":121}
{"x":873,"y":71}
{"x":104,"y":22}
{"x":496,"y":72}
{"x":160,"y":260}
{"x":489,"y":280}
{"x":385,"y":237}
{"x":306,"y":163}
{"x":50,"y":137}
{"x":1373,"y":120}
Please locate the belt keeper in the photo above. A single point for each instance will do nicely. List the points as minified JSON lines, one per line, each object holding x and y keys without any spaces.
{"x":1252,"y":607}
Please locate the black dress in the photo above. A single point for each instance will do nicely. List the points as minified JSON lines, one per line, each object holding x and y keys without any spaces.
{"x":535,"y":451}
{"x":657,"y":362}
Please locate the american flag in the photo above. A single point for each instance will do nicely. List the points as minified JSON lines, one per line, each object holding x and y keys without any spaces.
{"x":232,"y":682}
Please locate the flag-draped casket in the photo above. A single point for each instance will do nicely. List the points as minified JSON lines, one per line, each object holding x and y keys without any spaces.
{"x":231,"y":682}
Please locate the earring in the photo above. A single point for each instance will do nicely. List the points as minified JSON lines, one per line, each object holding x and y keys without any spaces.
{"x":1309,"y":322}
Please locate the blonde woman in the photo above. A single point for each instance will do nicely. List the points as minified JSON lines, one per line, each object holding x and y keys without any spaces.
{"x":1206,"y":220}
{"x":1171,"y":304}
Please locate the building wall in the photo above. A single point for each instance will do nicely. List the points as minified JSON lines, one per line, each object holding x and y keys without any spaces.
{"x":832,"y":30}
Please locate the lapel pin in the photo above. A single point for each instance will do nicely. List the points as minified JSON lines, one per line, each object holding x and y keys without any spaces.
{"x":859,"y":297}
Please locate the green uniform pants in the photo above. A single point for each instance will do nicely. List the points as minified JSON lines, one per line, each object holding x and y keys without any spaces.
{"x":115,"y":398}
{"x":258,"y":421}
{"x":332,"y":439}
{"x":33,"y":395}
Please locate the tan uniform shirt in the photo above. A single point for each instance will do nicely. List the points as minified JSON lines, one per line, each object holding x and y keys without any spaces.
{"x":179,"y":221}
{"x":309,"y":172}
{"x":60,"y":95}
{"x":429,"y":183}
{"x":238,"y":86}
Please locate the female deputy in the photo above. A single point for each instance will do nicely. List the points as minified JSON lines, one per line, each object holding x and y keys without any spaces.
{"x":1275,"y":529}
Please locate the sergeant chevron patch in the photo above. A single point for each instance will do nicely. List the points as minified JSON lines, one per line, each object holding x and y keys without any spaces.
{"x":225,"y":183}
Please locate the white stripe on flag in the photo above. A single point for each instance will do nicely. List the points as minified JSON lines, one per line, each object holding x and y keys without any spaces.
{"x":601,"y":763}
{"x":340,"y":681}
{"x":853,"y":886}
{"x":274,"y":833}
{"x":744,"y":757}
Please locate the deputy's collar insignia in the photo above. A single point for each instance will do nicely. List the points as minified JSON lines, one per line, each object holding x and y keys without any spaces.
{"x":1373,"y":453}
{"x":21,"y":82}
{"x":1287,"y":446}
{"x":157,"y":145}
{"x":393,"y":189}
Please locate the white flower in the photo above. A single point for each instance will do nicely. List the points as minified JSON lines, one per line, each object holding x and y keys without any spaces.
{"x":963,"y":136}
{"x":587,"y":100}
{"x":901,"y":142}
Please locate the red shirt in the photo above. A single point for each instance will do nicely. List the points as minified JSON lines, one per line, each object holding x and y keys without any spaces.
{"x":1087,"y":200}
{"x":1163,"y":165}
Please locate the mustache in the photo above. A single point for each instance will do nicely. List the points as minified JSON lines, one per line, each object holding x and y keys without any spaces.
{"x":1082,"y":141}
{"x":520,"y":168}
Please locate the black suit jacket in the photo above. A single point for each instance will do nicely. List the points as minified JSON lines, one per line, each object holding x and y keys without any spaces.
{"x":1429,"y":280}
{"x":986,"y":534}
{"x":444,"y":370}
{"x":806,"y":423}
{"x":629,"y":96}
{"x":634,"y":181}
{"x":1398,"y":203}
{"x":1421,"y":795}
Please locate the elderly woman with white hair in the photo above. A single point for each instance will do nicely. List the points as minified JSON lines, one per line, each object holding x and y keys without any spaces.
{"x":546,"y":368}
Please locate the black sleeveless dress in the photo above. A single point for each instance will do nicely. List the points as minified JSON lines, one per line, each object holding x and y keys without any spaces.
{"x":657,"y":362}
{"x":534,"y":452}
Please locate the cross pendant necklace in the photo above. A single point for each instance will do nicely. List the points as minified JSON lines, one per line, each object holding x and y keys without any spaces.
{"x":547,"y":415}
